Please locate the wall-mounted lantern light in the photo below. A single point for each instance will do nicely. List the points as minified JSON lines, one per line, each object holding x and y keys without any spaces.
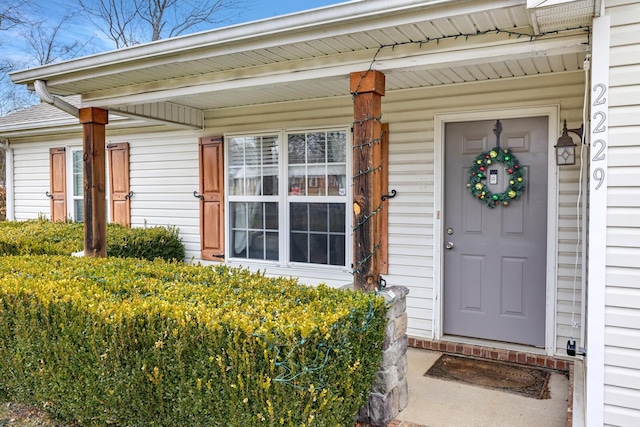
{"x":566,"y":148}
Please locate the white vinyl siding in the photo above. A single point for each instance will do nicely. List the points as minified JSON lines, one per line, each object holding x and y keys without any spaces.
{"x":410,"y":115}
{"x":290,"y":117}
{"x":622,"y":303}
{"x":164,"y":175}
{"x":163,"y":170}
{"x":412,"y":175}
{"x":31,"y":177}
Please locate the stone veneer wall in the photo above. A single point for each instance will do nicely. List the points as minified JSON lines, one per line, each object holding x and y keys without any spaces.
{"x":389,"y":394}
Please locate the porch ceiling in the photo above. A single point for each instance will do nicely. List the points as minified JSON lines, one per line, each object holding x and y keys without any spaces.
{"x":414,"y":47}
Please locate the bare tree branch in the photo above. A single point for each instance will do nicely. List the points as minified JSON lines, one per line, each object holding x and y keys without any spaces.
{"x":130,"y":22}
{"x":11,"y":14}
{"x":116,"y":19}
{"x":40,"y":44}
{"x":13,"y":97}
{"x":125,"y":22}
{"x":45,"y":45}
{"x":170,"y":18}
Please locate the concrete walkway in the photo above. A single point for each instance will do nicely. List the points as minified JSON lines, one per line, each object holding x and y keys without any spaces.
{"x":438,"y":403}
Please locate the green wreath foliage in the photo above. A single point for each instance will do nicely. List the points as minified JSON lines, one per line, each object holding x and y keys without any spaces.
{"x":478,"y":174}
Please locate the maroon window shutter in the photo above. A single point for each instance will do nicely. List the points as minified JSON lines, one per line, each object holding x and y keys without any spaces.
{"x":58,"y":183}
{"x":119,"y":197}
{"x":212,"y":201}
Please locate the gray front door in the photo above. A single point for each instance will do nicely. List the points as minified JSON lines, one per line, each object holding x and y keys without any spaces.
{"x":495,"y":258}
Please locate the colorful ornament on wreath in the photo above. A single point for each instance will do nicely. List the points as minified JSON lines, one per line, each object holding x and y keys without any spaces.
{"x":477,"y":177}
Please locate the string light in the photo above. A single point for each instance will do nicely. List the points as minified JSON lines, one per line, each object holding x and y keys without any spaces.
{"x":367,"y":217}
{"x":420,"y":43}
{"x":367,"y":119}
{"x":466,"y":36}
{"x":291,"y":372}
{"x":367,"y":258}
{"x":368,"y":170}
{"x":368,"y":144}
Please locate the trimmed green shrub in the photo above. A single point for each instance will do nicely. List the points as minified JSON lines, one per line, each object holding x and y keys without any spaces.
{"x":129,"y":342}
{"x":147,"y":243}
{"x":42,"y":237}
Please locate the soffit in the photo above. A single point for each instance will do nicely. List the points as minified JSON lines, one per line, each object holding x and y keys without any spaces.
{"x":506,"y":18}
{"x":571,"y":14}
{"x":246,"y":77}
{"x":401,"y":79}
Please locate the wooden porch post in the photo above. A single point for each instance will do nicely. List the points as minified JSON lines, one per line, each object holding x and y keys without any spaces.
{"x":95,"y":202}
{"x":368,"y":89}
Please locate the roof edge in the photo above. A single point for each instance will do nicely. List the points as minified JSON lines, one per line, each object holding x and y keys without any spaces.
{"x":285,"y":24}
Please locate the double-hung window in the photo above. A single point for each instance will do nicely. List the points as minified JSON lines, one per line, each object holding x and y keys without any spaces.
{"x":253,"y":168}
{"x":287,"y":197}
{"x":77,"y":184}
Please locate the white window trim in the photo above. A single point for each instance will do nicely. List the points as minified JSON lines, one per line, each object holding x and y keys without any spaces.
{"x":71,"y":198}
{"x":552,"y":112}
{"x":283,"y":203}
{"x":69,"y":150}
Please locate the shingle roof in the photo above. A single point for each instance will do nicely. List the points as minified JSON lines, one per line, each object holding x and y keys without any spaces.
{"x":39,"y":113}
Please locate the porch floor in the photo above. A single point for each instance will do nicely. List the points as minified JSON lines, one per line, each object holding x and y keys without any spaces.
{"x":438,"y":403}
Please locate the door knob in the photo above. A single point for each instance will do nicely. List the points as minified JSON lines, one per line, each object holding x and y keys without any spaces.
{"x":449,"y":245}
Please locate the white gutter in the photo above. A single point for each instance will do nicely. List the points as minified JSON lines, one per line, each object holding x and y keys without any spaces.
{"x":46,"y":96}
{"x":315,"y":23}
{"x":8,"y":166}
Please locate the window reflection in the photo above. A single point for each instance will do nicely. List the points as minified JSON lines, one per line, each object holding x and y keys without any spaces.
{"x":318,"y":233}
{"x":317,"y":164}
{"x":313,"y":175}
{"x":253,"y":166}
{"x":78,"y":186}
{"x":254,"y":230}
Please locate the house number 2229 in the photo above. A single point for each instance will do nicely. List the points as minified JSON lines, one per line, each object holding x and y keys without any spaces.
{"x":600,"y":119}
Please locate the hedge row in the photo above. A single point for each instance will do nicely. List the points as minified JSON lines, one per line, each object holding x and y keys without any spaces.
{"x":41,"y":237}
{"x":127,"y":342}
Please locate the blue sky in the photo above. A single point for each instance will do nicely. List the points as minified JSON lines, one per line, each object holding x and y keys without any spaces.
{"x":270,"y":8}
{"x":15,"y":50}
{"x":52,"y":10}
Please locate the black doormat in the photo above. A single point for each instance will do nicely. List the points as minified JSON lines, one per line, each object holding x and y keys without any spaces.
{"x":522,"y":380}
